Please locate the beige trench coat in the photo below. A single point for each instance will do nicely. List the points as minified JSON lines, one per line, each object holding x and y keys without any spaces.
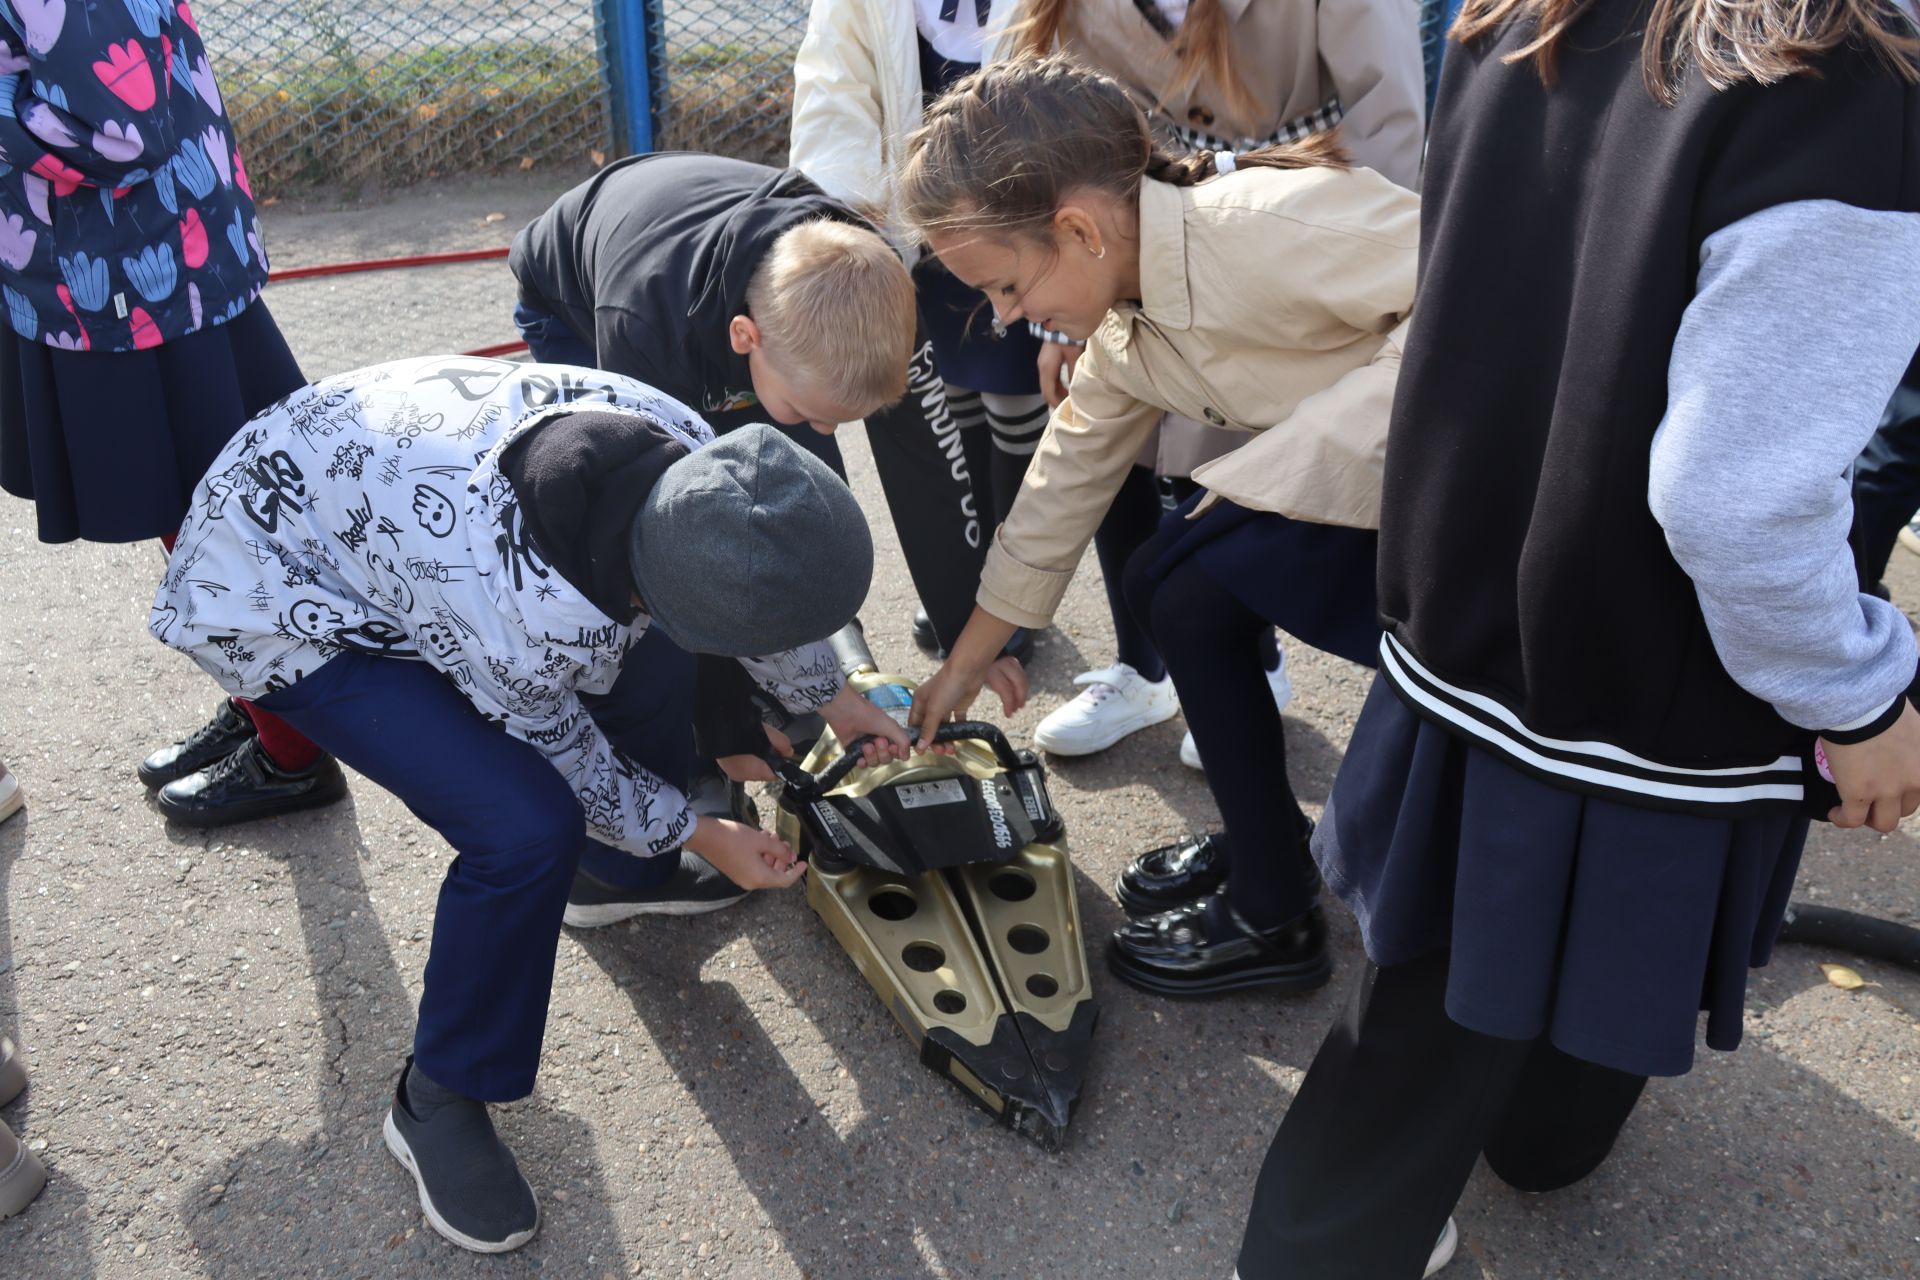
{"x":1293,"y":56}
{"x":1273,"y":302}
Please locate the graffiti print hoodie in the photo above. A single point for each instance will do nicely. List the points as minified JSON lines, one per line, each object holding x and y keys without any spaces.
{"x":370,"y":512}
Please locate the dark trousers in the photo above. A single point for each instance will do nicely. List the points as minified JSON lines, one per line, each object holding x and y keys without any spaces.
{"x":1143,"y":501}
{"x":517,"y":831}
{"x":1398,"y":1104}
{"x":1886,"y":481}
{"x":1208,"y":595}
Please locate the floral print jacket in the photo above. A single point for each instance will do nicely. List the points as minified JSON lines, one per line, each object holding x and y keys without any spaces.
{"x":126,"y":219}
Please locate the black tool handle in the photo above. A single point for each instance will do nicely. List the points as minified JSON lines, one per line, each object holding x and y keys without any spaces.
{"x":818,"y":784}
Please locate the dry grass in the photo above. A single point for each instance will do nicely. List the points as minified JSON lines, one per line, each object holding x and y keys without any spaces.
{"x":339,"y":123}
{"x":729,"y":100}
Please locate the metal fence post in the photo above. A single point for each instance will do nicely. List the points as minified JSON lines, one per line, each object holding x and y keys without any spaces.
{"x":633,"y":37}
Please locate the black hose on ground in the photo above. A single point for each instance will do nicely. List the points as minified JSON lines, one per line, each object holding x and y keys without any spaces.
{"x":1850,"y":931}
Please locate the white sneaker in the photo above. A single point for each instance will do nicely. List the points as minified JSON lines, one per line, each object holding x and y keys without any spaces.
{"x":1117,"y":701}
{"x":1910,"y":535}
{"x":1277,"y":679}
{"x":1442,"y":1250}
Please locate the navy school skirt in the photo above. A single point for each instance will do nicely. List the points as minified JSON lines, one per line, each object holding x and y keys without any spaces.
{"x":109,"y":445}
{"x":1607,"y":928}
{"x":966,"y":351}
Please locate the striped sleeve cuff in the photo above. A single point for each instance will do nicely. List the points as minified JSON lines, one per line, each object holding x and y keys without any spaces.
{"x":1871,"y":725}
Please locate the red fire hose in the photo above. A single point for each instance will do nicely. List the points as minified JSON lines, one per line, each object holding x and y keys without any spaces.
{"x":394,"y":264}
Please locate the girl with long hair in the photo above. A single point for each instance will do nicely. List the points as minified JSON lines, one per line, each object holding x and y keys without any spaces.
{"x":1225,"y":76}
{"x":1262,"y":295}
{"x":1668,"y":257}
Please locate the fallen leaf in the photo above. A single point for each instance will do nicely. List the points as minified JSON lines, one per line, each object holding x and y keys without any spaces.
{"x":598,"y":157}
{"x":426,"y":110}
{"x":269,"y":202}
{"x":526,"y":163}
{"x":1842,"y":977}
{"x":495,"y":217}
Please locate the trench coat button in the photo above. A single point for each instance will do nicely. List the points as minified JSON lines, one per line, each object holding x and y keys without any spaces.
{"x":1214,"y":416}
{"x":1199,"y":115}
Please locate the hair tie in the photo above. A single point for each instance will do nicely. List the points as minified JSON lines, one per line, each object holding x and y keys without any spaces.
{"x":1223,"y":162}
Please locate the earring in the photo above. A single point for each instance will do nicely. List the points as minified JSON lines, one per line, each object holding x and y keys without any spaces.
{"x":1101,"y":252}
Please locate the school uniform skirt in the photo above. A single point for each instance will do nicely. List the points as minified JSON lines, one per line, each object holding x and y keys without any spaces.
{"x":1603,"y":927}
{"x":109,"y":445}
{"x":966,"y":350}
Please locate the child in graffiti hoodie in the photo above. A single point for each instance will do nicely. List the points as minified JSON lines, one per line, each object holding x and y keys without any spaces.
{"x":453,"y":573}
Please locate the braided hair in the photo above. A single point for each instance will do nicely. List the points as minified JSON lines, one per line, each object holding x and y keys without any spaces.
{"x":1004,"y":147}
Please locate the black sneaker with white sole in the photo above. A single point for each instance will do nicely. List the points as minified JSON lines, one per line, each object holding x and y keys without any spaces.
{"x":694,"y":889}
{"x":471,"y":1188}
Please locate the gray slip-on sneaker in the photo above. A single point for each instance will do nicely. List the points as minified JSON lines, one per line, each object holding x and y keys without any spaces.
{"x":471,"y":1188}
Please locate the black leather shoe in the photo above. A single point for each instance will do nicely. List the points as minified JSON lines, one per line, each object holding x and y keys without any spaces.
{"x":1019,"y":645}
{"x":211,"y":743}
{"x":1162,"y":878}
{"x":246,"y":785}
{"x":923,"y":637}
{"x":1204,"y":948}
{"x":1195,"y":868}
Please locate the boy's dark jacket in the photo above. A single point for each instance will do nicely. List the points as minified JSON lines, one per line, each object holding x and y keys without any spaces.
{"x":650,"y":258}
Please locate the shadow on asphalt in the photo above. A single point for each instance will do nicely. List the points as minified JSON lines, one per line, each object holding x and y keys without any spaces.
{"x":852,"y":1203}
{"x":55,"y":1226}
{"x":288,"y":1200}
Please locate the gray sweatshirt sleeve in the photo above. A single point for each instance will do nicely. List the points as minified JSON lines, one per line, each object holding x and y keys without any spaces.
{"x":1803,"y":319}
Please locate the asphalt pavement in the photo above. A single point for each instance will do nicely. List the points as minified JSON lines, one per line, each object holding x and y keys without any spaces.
{"x":213,"y":1021}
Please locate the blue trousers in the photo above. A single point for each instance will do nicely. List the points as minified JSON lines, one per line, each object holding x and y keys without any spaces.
{"x":517,"y":831}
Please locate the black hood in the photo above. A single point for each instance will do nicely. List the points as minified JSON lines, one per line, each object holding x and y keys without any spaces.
{"x":649,"y":260}
{"x":724,"y":255}
{"x":581,"y":478}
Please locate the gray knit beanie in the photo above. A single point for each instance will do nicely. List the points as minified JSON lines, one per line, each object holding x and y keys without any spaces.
{"x":750,"y":546}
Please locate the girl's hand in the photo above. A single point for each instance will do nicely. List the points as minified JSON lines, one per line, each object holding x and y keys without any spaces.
{"x":751,"y":768}
{"x":1879,"y":779}
{"x":940,"y":698}
{"x":1008,"y":678}
{"x":851,"y":717}
{"x":974,"y":660}
{"x":1056,"y":369}
{"x":748,"y":856}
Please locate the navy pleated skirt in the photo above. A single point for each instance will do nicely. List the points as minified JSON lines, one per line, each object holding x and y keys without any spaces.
{"x":966,"y":350}
{"x":109,"y":445}
{"x":1605,"y":927}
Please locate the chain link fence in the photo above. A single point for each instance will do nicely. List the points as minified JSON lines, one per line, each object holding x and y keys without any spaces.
{"x":726,"y":72}
{"x":332,"y":93}
{"x":347,"y":92}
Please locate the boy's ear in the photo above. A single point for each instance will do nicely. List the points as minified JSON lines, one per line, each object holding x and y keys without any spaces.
{"x":743,"y":334}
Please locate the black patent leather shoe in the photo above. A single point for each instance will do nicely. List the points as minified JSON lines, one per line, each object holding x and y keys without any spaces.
{"x":1019,"y":645}
{"x":211,"y":743}
{"x":1196,"y":951}
{"x":246,"y":785}
{"x":1163,"y":878}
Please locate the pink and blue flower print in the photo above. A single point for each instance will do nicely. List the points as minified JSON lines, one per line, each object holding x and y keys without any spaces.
{"x":117,"y":161}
